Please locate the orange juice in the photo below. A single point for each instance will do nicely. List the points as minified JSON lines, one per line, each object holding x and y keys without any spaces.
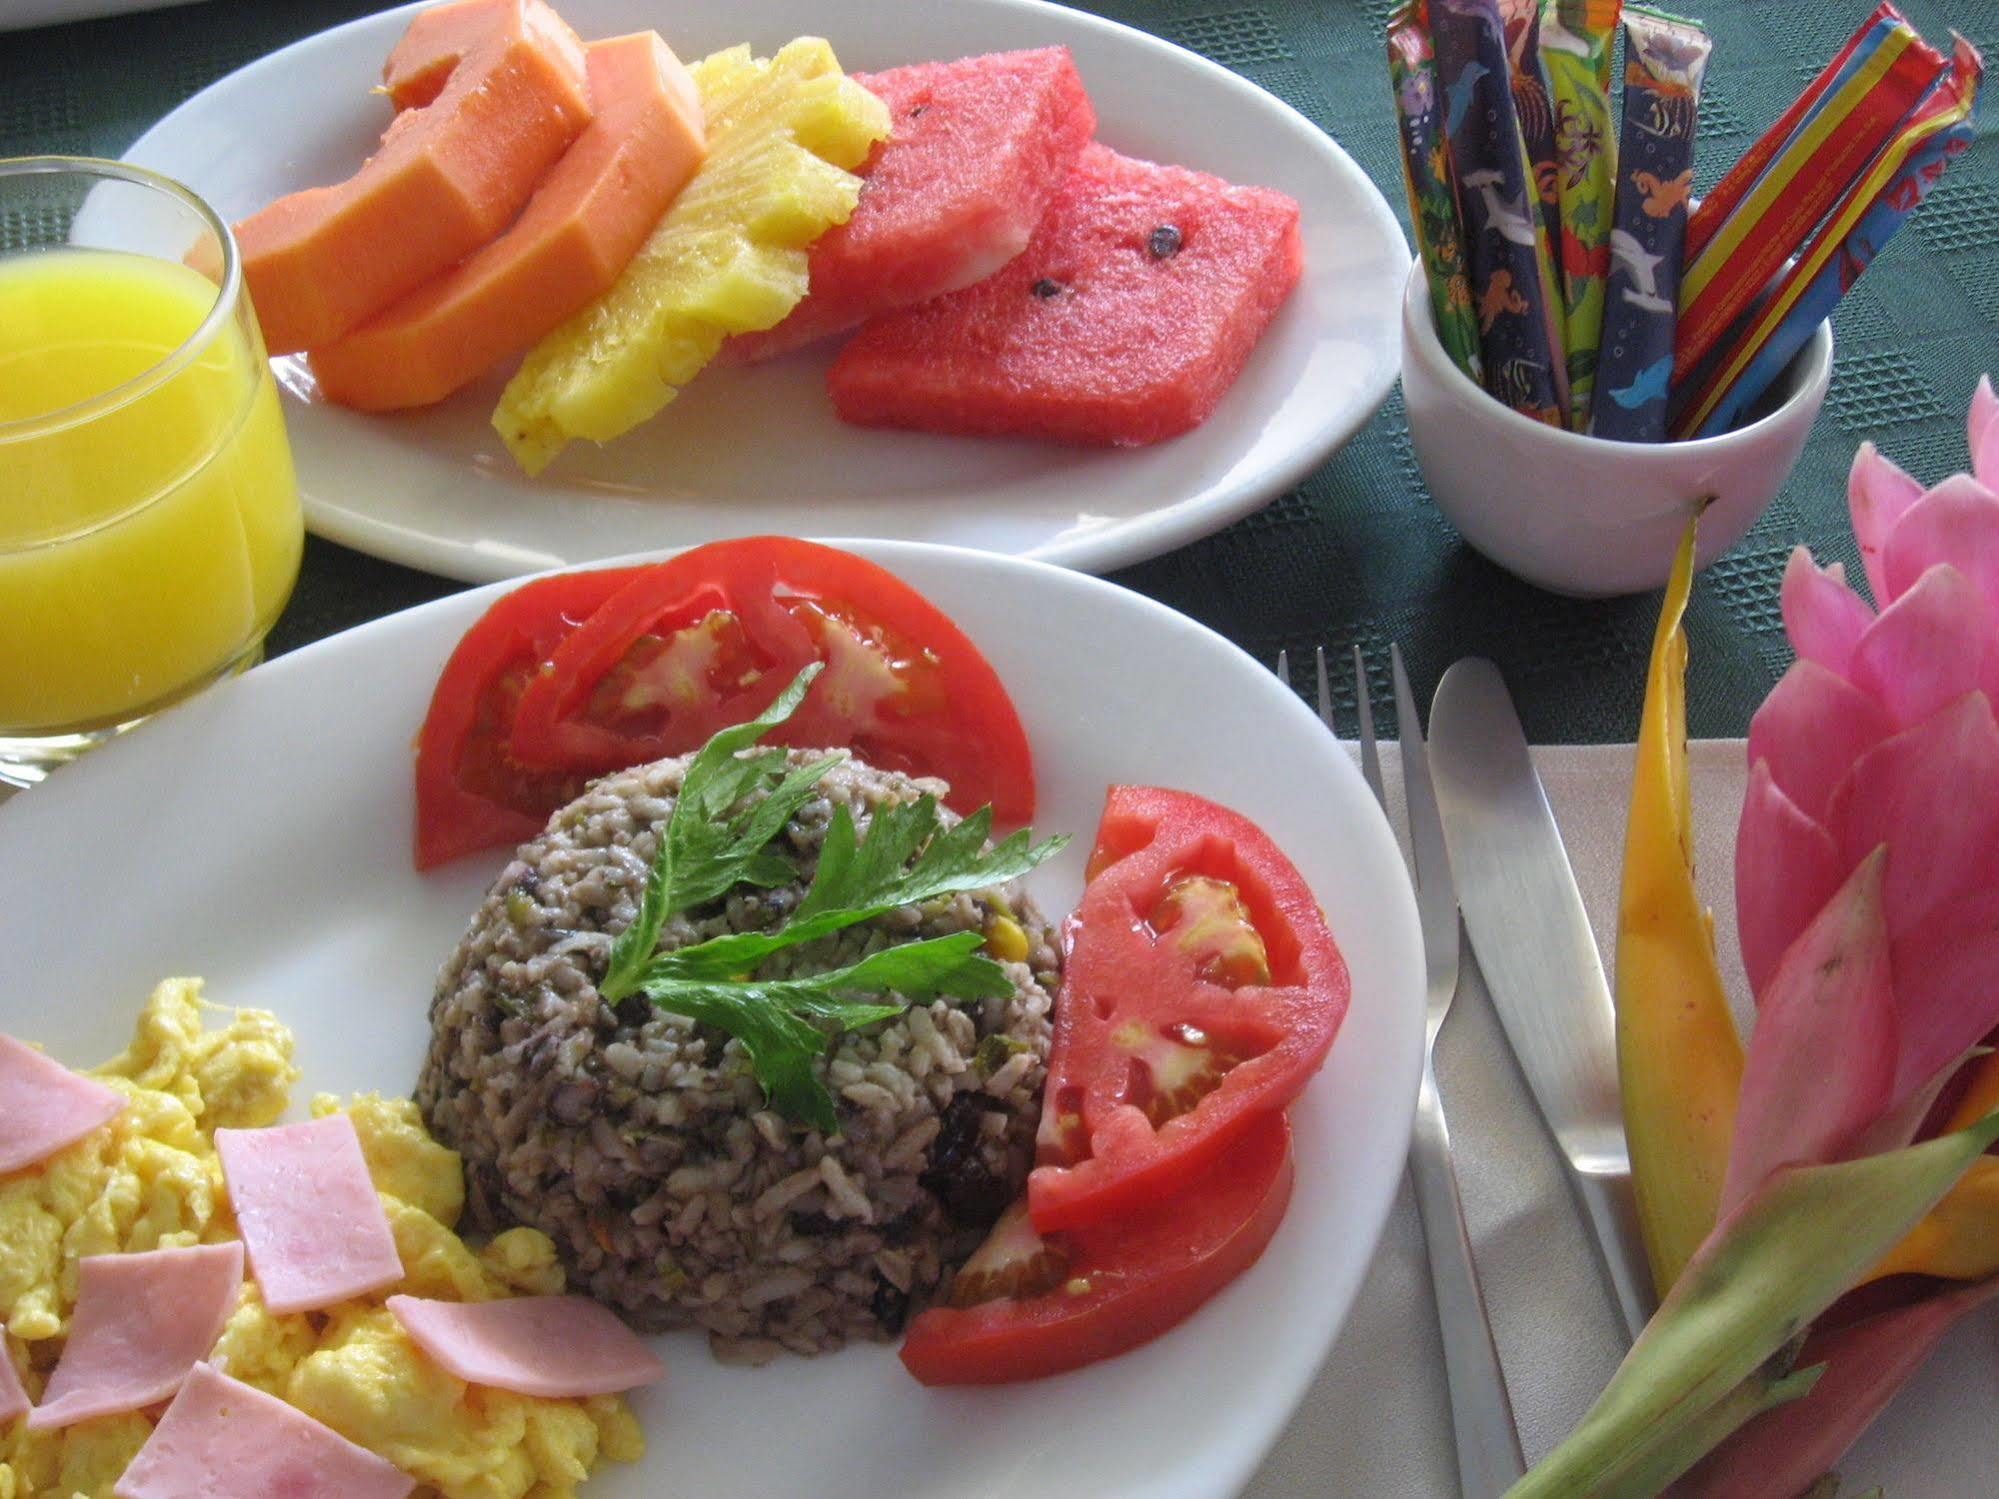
{"x":150,"y":532}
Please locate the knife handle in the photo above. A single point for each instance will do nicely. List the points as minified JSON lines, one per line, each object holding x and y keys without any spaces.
{"x":1488,"y":1445}
{"x":1613,"y":1217}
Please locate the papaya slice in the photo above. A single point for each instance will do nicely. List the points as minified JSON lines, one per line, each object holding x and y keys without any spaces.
{"x":585,"y":221}
{"x":447,"y":178}
{"x":436,"y":41}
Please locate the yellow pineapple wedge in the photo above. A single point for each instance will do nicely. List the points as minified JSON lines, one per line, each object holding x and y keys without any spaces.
{"x":728,"y":257}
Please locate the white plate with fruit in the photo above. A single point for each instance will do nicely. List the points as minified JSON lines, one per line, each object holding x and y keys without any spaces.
{"x":759,"y":447}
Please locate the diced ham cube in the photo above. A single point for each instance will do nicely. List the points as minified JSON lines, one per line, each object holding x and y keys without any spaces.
{"x":44,"y":1107}
{"x":141,"y":1322}
{"x":221,"y":1438}
{"x":554,"y":1346}
{"x":308,"y":1212}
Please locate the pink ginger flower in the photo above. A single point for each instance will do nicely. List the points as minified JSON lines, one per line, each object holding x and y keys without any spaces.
{"x":1880,"y":737}
{"x":1867,"y":894}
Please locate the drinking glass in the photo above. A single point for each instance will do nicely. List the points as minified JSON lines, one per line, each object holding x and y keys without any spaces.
{"x":149,"y":516}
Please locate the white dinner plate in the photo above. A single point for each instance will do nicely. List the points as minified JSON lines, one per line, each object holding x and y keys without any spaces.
{"x":259,"y":836}
{"x":19,"y":15}
{"x":759,"y":450}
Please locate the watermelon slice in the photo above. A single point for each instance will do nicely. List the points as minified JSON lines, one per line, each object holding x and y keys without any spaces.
{"x":980,"y":147}
{"x":1126,"y":318}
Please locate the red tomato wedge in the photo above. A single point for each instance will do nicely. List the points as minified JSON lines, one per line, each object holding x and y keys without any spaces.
{"x":1041,"y":1306}
{"x":470,"y":791}
{"x":1200,"y":991}
{"x":708,"y":638}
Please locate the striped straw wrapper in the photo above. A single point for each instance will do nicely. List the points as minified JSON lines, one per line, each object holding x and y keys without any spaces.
{"x":1721,"y":199}
{"x":1897,"y":180}
{"x":1884,"y":73}
{"x":1426,"y":175}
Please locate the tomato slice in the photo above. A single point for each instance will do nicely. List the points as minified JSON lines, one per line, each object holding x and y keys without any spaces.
{"x":1044,"y":1305}
{"x":1200,"y":991}
{"x":708,"y":638}
{"x":470,"y":791}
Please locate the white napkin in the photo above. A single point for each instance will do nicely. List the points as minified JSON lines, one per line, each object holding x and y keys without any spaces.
{"x":1376,"y":1422}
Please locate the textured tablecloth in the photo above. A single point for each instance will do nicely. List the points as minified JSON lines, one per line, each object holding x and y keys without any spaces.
{"x":1376,"y":1422}
{"x":1357,"y":553}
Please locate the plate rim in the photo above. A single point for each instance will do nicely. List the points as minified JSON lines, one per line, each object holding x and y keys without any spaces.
{"x":1102,"y":549}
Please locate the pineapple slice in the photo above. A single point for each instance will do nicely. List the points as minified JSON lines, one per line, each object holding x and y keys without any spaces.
{"x":728,"y":257}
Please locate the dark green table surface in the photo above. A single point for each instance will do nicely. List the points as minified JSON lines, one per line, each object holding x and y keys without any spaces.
{"x":1357,"y":553}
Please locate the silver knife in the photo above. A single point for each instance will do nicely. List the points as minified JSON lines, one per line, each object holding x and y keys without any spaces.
{"x":1533,"y":943}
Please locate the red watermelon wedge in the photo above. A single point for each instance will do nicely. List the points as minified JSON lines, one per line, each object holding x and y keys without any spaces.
{"x":1124,"y":321}
{"x":980,"y":147}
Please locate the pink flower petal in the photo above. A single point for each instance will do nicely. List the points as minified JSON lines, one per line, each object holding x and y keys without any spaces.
{"x":1984,"y":425}
{"x":1785,"y":1451}
{"x":1931,"y":793}
{"x":1877,"y":494}
{"x":1811,"y":728}
{"x":1786,"y":868}
{"x":1928,"y":647}
{"x":1957,"y":522}
{"x":1822,"y":1056}
{"x":1824,"y":618}
{"x":1947,"y":985}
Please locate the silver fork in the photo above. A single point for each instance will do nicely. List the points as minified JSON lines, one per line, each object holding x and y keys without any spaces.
{"x":1488,"y":1445}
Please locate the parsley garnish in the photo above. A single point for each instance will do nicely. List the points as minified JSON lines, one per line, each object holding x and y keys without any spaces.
{"x":782,"y":1023}
{"x":718,"y":837}
{"x":712,"y":842}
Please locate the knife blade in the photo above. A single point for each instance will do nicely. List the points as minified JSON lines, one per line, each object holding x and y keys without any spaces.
{"x":1533,"y":943}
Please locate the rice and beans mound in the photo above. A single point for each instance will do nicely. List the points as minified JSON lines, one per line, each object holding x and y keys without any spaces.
{"x":639,"y":1140}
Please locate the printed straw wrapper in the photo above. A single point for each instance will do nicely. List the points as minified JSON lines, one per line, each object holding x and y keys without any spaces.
{"x":1576,"y":38}
{"x":1520,"y":21}
{"x":1721,"y":199}
{"x":1433,"y":201}
{"x":1887,"y":69}
{"x":1512,"y":278}
{"x":1664,"y":59}
{"x":1898,"y":180}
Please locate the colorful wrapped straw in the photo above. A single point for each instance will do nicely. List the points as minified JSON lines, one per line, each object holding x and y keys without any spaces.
{"x":1512,"y":277}
{"x":1426,"y":174}
{"x":1899,"y":179}
{"x":1664,"y":60}
{"x":1575,"y":44}
{"x":1868,"y":90}
{"x":1520,"y":21}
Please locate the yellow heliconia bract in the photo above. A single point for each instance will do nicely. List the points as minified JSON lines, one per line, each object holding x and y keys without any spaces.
{"x":1679,"y":1059}
{"x":1959,"y":1240}
{"x":728,"y":257}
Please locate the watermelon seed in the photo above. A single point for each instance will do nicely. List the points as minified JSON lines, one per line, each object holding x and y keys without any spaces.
{"x":1046,"y":288}
{"x":918,"y":110}
{"x":1163,"y":241}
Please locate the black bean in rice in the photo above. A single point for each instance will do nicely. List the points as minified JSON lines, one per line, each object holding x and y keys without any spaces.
{"x":640,"y":1142}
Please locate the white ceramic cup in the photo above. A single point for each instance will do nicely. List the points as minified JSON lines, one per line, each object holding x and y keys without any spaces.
{"x":1586,"y":515}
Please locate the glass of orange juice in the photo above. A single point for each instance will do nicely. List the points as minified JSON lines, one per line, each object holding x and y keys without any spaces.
{"x":149,"y":516}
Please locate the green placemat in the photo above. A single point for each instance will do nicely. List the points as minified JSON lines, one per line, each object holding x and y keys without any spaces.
{"x":1357,"y":554}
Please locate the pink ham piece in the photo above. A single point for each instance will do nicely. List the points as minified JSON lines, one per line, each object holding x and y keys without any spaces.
{"x":141,"y":1322}
{"x":13,"y":1399}
{"x":44,"y":1107}
{"x":308,"y":1212}
{"x":221,"y":1438}
{"x":554,"y":1346}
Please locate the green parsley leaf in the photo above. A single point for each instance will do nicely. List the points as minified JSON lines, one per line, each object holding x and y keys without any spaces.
{"x":860,"y":879}
{"x":711,"y":842}
{"x":783,"y":1024}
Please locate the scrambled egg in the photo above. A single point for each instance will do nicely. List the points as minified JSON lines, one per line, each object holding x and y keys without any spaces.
{"x":150,"y":1179}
